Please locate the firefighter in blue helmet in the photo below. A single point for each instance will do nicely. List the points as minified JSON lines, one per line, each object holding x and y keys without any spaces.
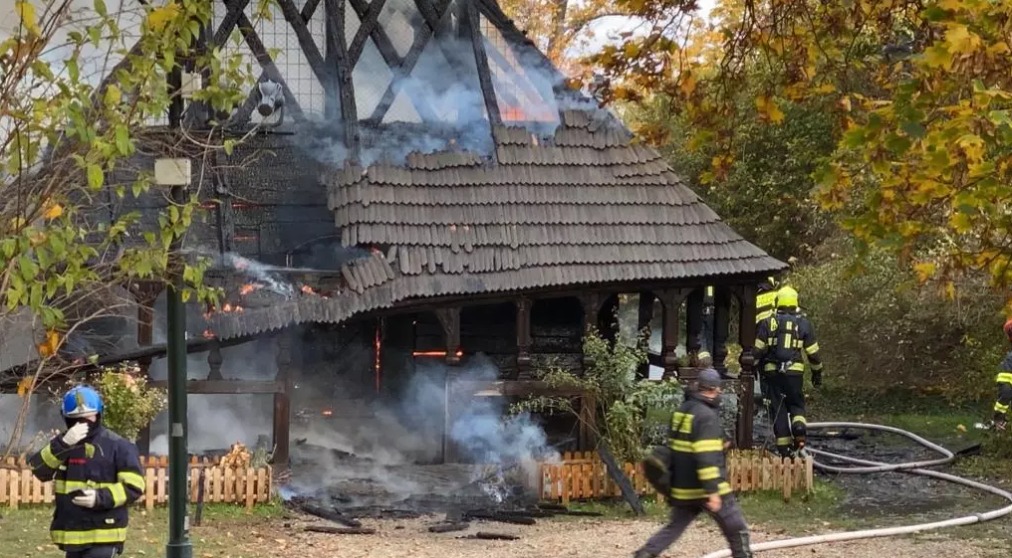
{"x":97,"y":474}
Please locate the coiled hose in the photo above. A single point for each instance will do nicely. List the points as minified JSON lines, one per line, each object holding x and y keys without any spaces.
{"x":876,"y":467}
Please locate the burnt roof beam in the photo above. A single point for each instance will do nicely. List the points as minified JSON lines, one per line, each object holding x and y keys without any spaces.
{"x":305,"y":38}
{"x":338,"y":56}
{"x":473,"y":28}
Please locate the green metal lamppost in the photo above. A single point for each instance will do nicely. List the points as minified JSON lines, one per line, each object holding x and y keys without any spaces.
{"x":176,"y":173}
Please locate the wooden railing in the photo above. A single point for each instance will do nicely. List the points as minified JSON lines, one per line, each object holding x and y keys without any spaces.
{"x":582,"y":476}
{"x":221,"y":483}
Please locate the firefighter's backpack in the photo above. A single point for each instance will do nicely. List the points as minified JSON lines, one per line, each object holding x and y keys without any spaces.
{"x":656,"y":467}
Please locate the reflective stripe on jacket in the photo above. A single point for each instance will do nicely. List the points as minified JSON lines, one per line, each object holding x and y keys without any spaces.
{"x":781,"y":340}
{"x":697,"y":457}
{"x":104,"y":462}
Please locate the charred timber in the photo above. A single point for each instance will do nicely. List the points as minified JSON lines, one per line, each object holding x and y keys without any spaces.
{"x":500,"y":517}
{"x":449,"y":527}
{"x":329,"y":513}
{"x":330,"y":530}
{"x":485,"y":536}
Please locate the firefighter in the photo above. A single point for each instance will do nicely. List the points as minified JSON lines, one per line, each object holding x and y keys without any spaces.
{"x":1003,"y":406}
{"x":765,"y":308}
{"x":780,"y":342}
{"x":698,"y":473}
{"x":97,"y":475}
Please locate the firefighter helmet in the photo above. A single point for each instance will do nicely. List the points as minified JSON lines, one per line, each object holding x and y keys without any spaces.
{"x":80,"y":401}
{"x":787,"y":297}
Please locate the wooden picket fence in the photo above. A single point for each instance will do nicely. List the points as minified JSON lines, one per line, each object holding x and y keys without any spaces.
{"x":583,"y":476}
{"x":222,"y":483}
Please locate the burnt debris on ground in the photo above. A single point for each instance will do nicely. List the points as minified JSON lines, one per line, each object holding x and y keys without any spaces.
{"x":891,"y":493}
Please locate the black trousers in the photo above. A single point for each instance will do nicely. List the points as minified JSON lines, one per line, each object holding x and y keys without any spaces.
{"x":101,"y":551}
{"x":788,"y":405}
{"x":730,"y":520}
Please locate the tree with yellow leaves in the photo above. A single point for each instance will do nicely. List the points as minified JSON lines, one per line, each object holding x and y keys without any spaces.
{"x":82,"y":93}
{"x":922,"y":92}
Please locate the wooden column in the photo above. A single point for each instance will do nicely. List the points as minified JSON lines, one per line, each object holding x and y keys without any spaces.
{"x":746,"y":338}
{"x":282,"y":402}
{"x":524,"y":338}
{"x":146,"y":294}
{"x":449,"y":318}
{"x":214,"y":362}
{"x":591,"y":303}
{"x":694,"y":322}
{"x":672,"y":300}
{"x":721,"y":327}
{"x":645,"y":316}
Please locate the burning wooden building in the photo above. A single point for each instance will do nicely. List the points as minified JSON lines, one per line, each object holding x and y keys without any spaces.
{"x":424,"y":188}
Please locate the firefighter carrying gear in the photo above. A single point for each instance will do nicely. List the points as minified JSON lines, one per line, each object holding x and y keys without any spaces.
{"x":782,"y":343}
{"x":698,"y":471}
{"x":102,"y":463}
{"x":1003,"y":406}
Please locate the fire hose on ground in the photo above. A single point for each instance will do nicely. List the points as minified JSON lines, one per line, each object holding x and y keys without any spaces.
{"x":866,"y":466}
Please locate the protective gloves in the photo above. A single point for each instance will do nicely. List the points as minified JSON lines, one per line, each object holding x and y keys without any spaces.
{"x":817,"y":378}
{"x":76,"y":433}
{"x":86,"y":499}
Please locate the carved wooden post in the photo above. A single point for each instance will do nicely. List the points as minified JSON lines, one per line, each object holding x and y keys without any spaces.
{"x":721,"y":327}
{"x":282,"y":401}
{"x":449,"y":318}
{"x":694,"y":322}
{"x":524,"y":338}
{"x":671,"y":299}
{"x":591,"y":303}
{"x":214,"y":362}
{"x":645,"y":316}
{"x":146,"y":294}
{"x":746,"y":338}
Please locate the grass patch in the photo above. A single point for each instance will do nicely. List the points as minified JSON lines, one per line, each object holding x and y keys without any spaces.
{"x":227,"y":531}
{"x":821,"y":506}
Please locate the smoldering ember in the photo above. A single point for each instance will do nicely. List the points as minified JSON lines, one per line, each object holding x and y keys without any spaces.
{"x":411,"y":233}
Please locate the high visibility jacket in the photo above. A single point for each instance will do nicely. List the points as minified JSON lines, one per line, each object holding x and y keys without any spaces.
{"x":765,"y":303}
{"x":781,"y":339}
{"x":105,"y":462}
{"x":1004,"y":381}
{"x":696,"y":440}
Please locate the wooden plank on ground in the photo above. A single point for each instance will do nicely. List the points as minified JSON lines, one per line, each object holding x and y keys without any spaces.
{"x":628,"y":493}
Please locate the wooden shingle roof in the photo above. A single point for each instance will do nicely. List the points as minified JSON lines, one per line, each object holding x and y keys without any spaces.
{"x":584,"y":206}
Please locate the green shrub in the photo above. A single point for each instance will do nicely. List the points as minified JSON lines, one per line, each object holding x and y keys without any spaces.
{"x":130,"y":404}
{"x":880,"y":332}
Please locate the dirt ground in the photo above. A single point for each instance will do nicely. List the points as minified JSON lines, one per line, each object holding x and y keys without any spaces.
{"x":589,"y":538}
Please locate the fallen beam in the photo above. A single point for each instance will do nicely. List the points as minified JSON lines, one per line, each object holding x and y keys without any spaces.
{"x":500,"y":517}
{"x":330,"y":514}
{"x":617,"y":475}
{"x":449,"y":527}
{"x":331,"y":530}
{"x":485,"y":536}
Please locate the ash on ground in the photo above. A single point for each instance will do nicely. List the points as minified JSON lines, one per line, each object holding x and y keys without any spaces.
{"x":359,"y":486}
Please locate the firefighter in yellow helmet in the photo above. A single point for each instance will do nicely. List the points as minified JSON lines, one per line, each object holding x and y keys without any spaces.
{"x":765,"y":308}
{"x":782,"y":343}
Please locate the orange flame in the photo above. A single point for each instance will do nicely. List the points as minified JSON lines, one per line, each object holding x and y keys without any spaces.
{"x":307,"y":289}
{"x":229,"y":308}
{"x":328,"y":413}
{"x":208,"y":334}
{"x":434,"y":354}
{"x":248,"y":288}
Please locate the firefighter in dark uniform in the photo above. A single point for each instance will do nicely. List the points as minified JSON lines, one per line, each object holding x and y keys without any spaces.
{"x":765,"y":308}
{"x":97,"y":475}
{"x":699,"y":474}
{"x":782,"y":342}
{"x":1003,"y":406}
